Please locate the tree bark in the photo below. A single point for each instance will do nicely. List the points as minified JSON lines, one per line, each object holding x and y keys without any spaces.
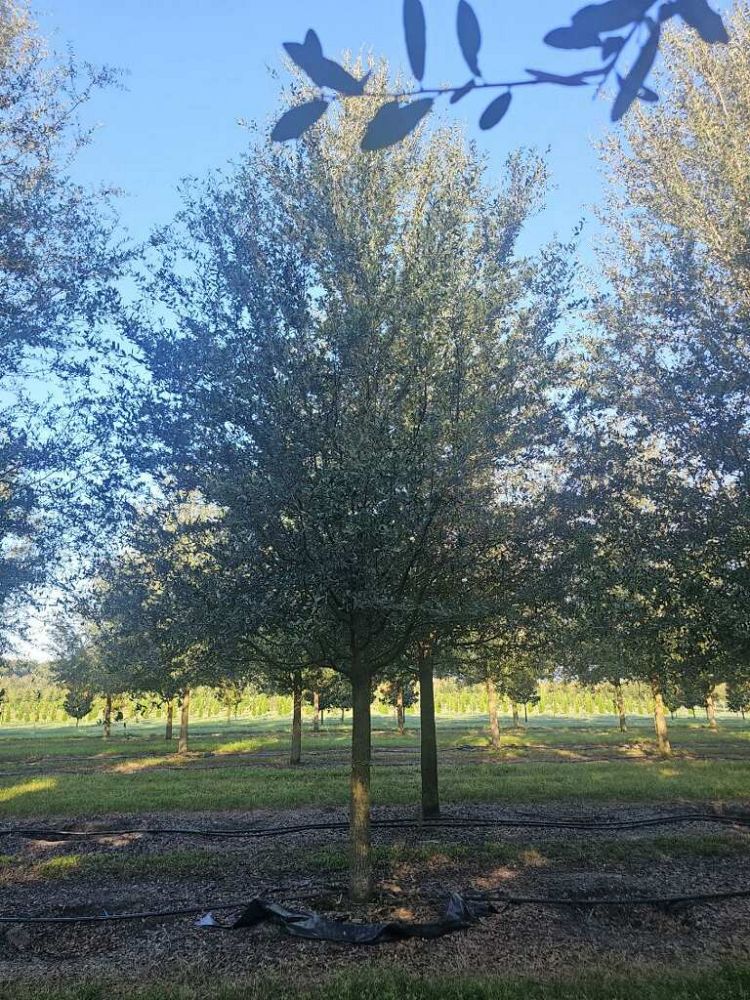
{"x":360,"y":871}
{"x":295,"y":755}
{"x":428,"y":735}
{"x":660,"y":720}
{"x":170,"y":720}
{"x":711,"y":710}
{"x":515,"y":716}
{"x":400,"y":720}
{"x":108,"y":717}
{"x":492,"y":712}
{"x":182,"y":743}
{"x":316,"y":711}
{"x":620,"y":705}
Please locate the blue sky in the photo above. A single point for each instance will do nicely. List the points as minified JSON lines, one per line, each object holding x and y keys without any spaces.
{"x":194,"y":67}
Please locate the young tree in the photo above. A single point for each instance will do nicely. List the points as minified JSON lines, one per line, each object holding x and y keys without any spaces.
{"x":353,"y":351}
{"x":78,"y":703}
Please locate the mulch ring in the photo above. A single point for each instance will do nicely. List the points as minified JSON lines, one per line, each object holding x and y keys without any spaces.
{"x":40,"y":875}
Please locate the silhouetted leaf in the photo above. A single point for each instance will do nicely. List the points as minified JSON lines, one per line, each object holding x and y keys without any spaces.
{"x":611,"y":46}
{"x":416,"y":35}
{"x":706,"y":21}
{"x":573,"y":37}
{"x":574,"y":80}
{"x":324,"y":72}
{"x":469,"y":35}
{"x":297,"y":120}
{"x":395,"y":121}
{"x":459,"y":94}
{"x":611,"y":15}
{"x":646,"y":94}
{"x":495,"y":111}
{"x":633,"y":82}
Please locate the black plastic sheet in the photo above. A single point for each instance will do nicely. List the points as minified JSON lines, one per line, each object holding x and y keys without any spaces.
{"x":459,"y":914}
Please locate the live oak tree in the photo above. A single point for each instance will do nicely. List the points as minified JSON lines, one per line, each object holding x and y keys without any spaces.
{"x":672,"y":363}
{"x":351,"y":349}
{"x":149,"y":605}
{"x":59,"y":261}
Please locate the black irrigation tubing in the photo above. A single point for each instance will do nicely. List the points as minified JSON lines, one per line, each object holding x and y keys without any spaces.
{"x":461,"y":823}
{"x":500,"y":897}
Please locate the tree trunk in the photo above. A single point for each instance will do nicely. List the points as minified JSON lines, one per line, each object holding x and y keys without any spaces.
{"x":182,"y":743}
{"x":515,"y":716}
{"x":360,"y":871}
{"x":343,"y":714}
{"x":711,"y":709}
{"x":428,"y":735}
{"x":525,"y":714}
{"x":108,"y":717}
{"x":400,"y":720}
{"x":296,"y":752}
{"x":660,"y":720}
{"x":492,"y":712}
{"x":170,"y":720}
{"x":620,"y":705}
{"x":316,"y":711}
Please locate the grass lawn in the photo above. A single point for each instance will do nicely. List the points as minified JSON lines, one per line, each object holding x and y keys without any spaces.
{"x":44,"y":772}
{"x":724,"y":983}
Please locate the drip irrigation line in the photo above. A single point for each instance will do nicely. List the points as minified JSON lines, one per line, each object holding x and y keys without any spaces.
{"x":488,"y":897}
{"x":461,"y":823}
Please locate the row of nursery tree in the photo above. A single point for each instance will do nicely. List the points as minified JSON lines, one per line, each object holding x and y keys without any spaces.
{"x":39,"y":701}
{"x":342,"y":422}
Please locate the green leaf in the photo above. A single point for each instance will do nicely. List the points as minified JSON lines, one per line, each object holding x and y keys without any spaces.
{"x":633,"y":82}
{"x":296,"y":121}
{"x":324,"y":72}
{"x":495,"y":111}
{"x":469,"y":35}
{"x":573,"y":37}
{"x":459,"y":94}
{"x":393,"y":122}
{"x":706,"y":21}
{"x":416,"y":35}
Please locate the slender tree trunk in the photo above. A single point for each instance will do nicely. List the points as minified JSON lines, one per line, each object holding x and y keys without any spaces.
{"x":360,"y":871}
{"x":515,"y":716}
{"x":660,"y":720}
{"x":428,"y":735}
{"x":711,"y":709}
{"x":343,"y":714}
{"x":316,"y":711}
{"x":525,"y":714}
{"x":108,"y":717}
{"x":620,"y":705}
{"x":400,"y":720}
{"x":170,"y":720}
{"x":692,"y":709}
{"x":182,"y":742}
{"x":296,"y":752}
{"x":492,"y":712}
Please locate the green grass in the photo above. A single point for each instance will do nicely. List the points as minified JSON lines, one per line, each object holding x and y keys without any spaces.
{"x":601,"y":852}
{"x":382,"y":983}
{"x":130,"y":784}
{"x":233,"y":787}
{"x":335,"y":858}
